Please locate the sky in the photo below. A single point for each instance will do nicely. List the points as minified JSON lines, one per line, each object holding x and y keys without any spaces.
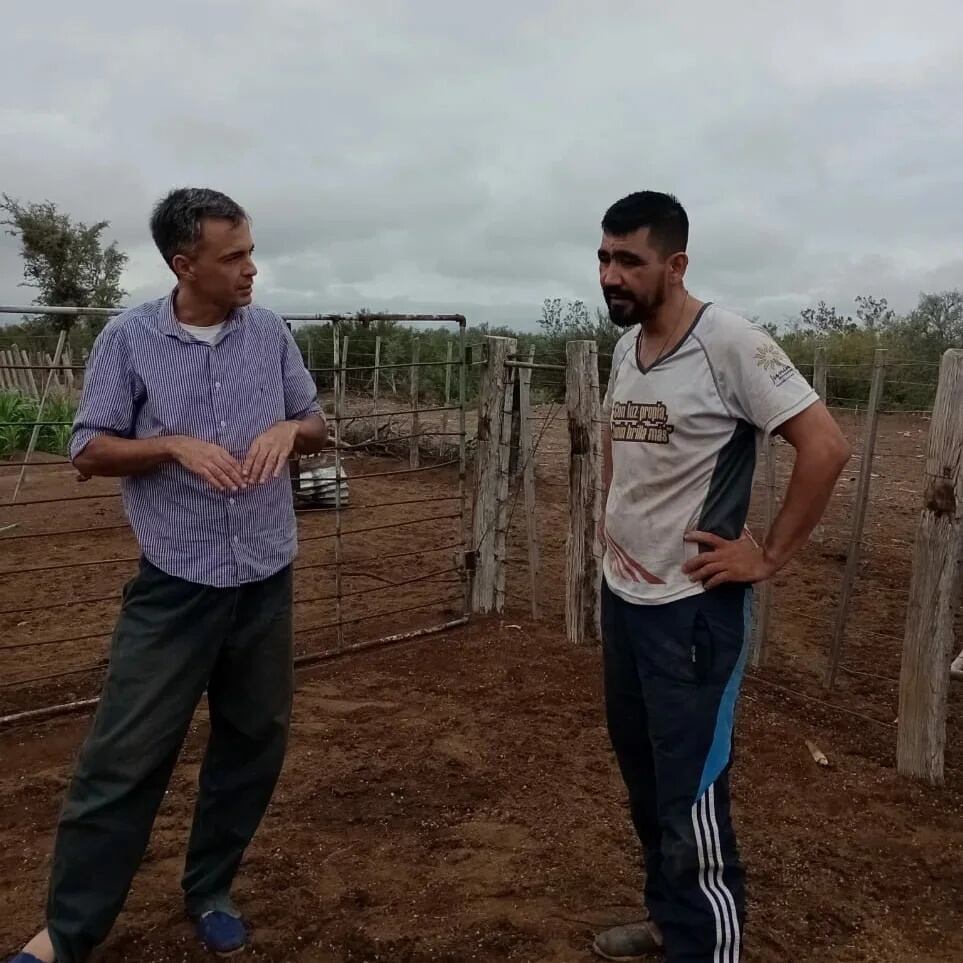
{"x":443,"y":156}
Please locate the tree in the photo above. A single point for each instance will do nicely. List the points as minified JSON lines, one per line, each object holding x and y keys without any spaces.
{"x":65,"y":261}
{"x":939,"y":318}
{"x":825,"y":319}
{"x":874,"y":313}
{"x":560,"y":318}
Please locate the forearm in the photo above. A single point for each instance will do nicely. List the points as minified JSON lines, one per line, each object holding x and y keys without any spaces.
{"x":810,"y":487}
{"x":606,"y":459}
{"x":110,"y":456}
{"x":312,"y":434}
{"x":606,"y":479}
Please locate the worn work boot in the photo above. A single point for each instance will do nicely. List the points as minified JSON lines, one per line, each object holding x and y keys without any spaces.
{"x":633,"y":941}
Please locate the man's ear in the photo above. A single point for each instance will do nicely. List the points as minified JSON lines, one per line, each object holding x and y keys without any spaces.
{"x":181,"y":266}
{"x":677,"y":265}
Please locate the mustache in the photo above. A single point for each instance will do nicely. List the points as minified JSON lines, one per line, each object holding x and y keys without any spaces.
{"x":609,"y":293}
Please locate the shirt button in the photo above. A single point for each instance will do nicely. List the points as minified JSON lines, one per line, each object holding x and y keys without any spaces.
{"x":223,"y":424}
{"x":231,"y":502}
{"x":236,"y":539}
{"x":217,"y":384}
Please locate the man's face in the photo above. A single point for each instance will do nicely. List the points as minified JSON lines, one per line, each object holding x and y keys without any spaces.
{"x":221,"y":267}
{"x":633,"y":275}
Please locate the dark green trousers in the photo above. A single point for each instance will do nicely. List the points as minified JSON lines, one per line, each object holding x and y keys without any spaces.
{"x":173,"y":640}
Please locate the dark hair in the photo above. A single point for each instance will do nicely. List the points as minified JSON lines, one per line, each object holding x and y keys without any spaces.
{"x":662,"y":214}
{"x":175,"y":223}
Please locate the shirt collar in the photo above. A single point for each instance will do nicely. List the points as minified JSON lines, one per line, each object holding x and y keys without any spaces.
{"x":168,"y":324}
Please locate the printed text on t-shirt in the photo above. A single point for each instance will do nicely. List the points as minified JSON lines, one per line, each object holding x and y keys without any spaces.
{"x":633,"y":421}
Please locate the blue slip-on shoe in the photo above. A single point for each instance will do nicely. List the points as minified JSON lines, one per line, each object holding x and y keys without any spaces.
{"x":24,"y":958}
{"x":221,"y":932}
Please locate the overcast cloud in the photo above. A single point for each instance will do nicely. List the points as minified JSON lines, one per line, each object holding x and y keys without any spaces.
{"x":444,"y":156}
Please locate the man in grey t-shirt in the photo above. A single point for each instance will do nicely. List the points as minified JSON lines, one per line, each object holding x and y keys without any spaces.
{"x":692,"y":389}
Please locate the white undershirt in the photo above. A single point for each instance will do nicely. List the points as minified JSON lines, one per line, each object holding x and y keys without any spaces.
{"x":208,"y":333}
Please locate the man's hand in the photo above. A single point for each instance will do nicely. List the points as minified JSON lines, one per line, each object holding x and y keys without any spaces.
{"x":741,"y":560}
{"x":213,"y":463}
{"x":269,"y":452}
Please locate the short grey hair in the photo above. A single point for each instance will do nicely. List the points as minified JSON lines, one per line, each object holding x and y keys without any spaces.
{"x":175,"y":223}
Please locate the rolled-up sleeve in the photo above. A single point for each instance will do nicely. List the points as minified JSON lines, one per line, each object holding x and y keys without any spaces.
{"x":300,"y":391}
{"x":107,"y":405}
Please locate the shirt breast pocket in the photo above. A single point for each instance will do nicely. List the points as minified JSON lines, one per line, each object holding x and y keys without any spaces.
{"x":175,"y":406}
{"x":267,"y":407}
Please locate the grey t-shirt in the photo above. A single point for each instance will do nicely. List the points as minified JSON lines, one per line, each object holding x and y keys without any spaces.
{"x":684,"y":441}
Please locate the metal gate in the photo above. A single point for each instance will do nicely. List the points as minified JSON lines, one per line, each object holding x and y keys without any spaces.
{"x":382,"y":538}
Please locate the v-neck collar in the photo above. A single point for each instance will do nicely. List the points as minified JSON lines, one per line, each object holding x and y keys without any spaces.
{"x":645,"y":369}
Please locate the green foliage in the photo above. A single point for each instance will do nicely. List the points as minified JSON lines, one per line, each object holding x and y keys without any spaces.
{"x":64,"y":261}
{"x":18,"y":414}
{"x":914,"y":342}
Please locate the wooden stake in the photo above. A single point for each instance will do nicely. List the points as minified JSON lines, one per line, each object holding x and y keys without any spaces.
{"x":338,"y":419}
{"x":582,"y":571}
{"x":760,"y":644}
{"x":68,"y":369}
{"x":29,"y":374}
{"x":54,"y":369}
{"x":6,"y":382}
{"x":504,"y":486}
{"x":491,"y":467}
{"x":527,"y":455}
{"x":934,"y":587}
{"x":820,"y":371}
{"x":859,"y":514}
{"x":463,"y":472}
{"x":414,"y":459}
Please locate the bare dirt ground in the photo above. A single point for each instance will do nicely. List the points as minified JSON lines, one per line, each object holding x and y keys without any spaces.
{"x":454,"y":799}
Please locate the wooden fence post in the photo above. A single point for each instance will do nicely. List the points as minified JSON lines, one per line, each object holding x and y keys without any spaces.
{"x":414,"y":459}
{"x":374,"y":384}
{"x":760,"y":644}
{"x":7,"y":382}
{"x":509,"y":410}
{"x":934,"y":587}
{"x":820,"y":371}
{"x":68,"y":369}
{"x":491,"y":476}
{"x":526,"y":454}
{"x":582,"y":570}
{"x":859,"y":514}
{"x":32,"y":377}
{"x":23,"y":375}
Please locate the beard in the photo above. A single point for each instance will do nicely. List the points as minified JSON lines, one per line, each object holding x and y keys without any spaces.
{"x":627,"y":309}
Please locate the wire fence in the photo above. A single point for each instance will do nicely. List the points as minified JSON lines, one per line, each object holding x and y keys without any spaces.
{"x":810,"y":619}
{"x":349,"y":563}
{"x":391,"y":485}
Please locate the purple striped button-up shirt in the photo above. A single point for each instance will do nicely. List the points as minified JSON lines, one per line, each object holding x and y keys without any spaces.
{"x":148,"y":377}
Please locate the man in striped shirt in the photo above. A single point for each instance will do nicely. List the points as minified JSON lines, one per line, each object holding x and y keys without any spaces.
{"x":196,"y":401}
